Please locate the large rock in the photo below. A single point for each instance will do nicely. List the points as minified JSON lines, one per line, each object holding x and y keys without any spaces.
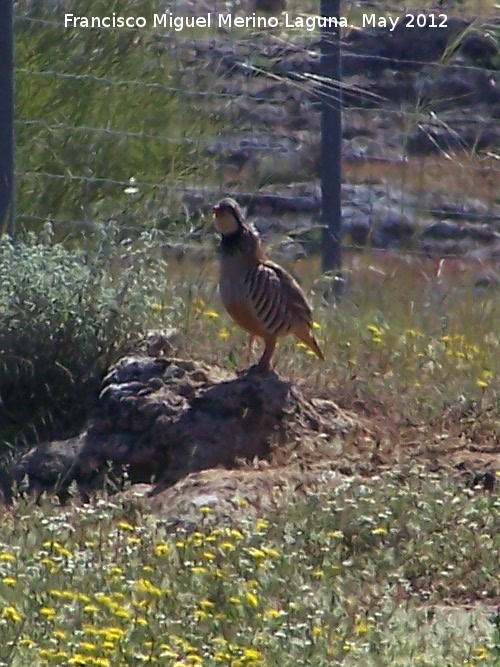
{"x":159,"y":419}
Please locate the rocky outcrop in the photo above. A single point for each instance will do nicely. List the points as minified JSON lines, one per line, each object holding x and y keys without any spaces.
{"x":159,"y":419}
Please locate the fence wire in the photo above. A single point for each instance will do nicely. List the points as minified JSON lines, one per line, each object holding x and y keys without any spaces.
{"x":137,"y":125}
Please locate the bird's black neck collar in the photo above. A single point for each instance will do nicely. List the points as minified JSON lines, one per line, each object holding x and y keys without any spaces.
{"x":231,"y":243}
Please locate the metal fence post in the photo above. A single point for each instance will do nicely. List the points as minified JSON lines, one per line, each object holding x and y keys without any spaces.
{"x":7,"y":219}
{"x":331,"y":139}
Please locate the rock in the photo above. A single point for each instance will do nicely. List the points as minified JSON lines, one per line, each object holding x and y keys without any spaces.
{"x":159,"y":419}
{"x":446,"y":229}
{"x":457,"y":85}
{"x":392,"y":230}
{"x":430,"y":139}
{"x":487,"y":280}
{"x":199,"y":419}
{"x":162,"y":342}
{"x":48,"y":467}
{"x":270,"y":6}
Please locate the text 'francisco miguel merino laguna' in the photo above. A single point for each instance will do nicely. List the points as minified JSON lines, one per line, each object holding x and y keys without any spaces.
{"x":178,"y":23}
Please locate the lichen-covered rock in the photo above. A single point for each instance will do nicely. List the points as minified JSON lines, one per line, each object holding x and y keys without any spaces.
{"x":159,"y":419}
{"x":164,"y":418}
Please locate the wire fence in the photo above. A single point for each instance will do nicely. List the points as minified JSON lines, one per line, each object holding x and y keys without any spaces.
{"x":146,"y":127}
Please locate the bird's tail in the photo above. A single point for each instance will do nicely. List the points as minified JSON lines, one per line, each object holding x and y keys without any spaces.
{"x":305,"y":334}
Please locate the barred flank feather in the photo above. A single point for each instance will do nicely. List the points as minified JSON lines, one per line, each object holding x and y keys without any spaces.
{"x":267,"y":300}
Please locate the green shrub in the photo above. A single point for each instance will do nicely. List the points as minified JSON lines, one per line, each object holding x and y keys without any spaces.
{"x":65,"y":315}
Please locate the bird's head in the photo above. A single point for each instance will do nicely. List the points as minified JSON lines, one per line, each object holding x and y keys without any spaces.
{"x":228,"y":216}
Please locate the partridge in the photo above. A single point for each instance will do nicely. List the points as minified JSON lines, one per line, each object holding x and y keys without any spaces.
{"x":259,"y":295}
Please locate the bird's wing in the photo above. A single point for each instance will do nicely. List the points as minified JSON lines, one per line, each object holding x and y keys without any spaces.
{"x":276,"y":299}
{"x":296,"y":301}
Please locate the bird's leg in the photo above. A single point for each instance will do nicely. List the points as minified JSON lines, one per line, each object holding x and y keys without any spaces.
{"x":265,"y":361}
{"x":248,"y":349}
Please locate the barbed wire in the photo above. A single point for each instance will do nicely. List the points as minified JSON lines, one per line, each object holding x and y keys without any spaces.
{"x":131,"y":182}
{"x":140,"y":83}
{"x":400,"y":253}
{"x":212,"y":141}
{"x":139,"y":134}
{"x":296,"y":48}
{"x":421,"y":116}
{"x":184,"y":187}
{"x":209,"y":192}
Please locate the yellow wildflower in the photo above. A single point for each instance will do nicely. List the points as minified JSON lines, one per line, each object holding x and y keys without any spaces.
{"x":11,"y":614}
{"x":7,"y":557}
{"x":125,"y":525}
{"x":481,"y":652}
{"x":256,"y":553}
{"x":9,"y":581}
{"x":252,"y":599}
{"x":161,"y":549}
{"x":375,"y":331}
{"x":271,"y":553}
{"x":261,"y":525}
{"x":236,"y":534}
{"x":206,"y":604}
{"x":48,"y":612}
{"x":145,"y":586}
{"x":113,"y":633}
{"x":336,"y":534}
{"x":26,"y":641}
{"x":252,"y":654}
{"x":361,"y":628}
{"x":90,"y":609}
{"x":87,"y":646}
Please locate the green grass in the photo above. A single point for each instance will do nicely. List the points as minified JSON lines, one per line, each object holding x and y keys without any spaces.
{"x":350,"y":575}
{"x":96,"y":108}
